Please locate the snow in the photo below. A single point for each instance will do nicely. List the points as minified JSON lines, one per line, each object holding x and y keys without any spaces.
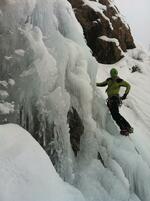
{"x":118,"y":15}
{"x":114,"y":17}
{"x":8,"y":58}
{"x":11,"y":82}
{"x":20,"y":52}
{"x":100,"y":8}
{"x":4,"y":83}
{"x":112,"y":40}
{"x":55,"y":72}
{"x":95,"y":6}
{"x":106,"y":18}
{"x":132,"y":154}
{"x":6,"y":108}
{"x":3,"y":94}
{"x":26,"y":171}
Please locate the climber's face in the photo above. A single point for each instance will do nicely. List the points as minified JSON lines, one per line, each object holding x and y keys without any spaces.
{"x":113,"y":73}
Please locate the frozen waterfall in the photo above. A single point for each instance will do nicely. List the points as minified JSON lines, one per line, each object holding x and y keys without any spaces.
{"x":46,"y":70}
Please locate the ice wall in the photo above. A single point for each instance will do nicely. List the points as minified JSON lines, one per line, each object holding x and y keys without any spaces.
{"x":44,"y":52}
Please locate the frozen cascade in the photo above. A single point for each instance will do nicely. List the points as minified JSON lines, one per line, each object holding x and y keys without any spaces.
{"x":44,"y":68}
{"x":55,"y":72}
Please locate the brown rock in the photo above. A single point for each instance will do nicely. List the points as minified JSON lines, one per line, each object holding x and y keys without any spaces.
{"x":95,"y":25}
{"x":76,"y":129}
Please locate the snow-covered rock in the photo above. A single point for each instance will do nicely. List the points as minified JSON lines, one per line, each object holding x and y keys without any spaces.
{"x":102,"y":18}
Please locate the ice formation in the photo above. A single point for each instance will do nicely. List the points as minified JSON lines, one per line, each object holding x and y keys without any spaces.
{"x":53,"y":70}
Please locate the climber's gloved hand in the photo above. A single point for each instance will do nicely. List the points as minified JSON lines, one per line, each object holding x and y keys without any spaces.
{"x":124,"y":97}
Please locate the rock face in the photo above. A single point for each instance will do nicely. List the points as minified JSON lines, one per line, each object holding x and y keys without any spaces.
{"x":76,"y":129}
{"x":103,"y":19}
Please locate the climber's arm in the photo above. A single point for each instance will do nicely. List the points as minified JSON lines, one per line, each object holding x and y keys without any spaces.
{"x":128,"y":87}
{"x":102,"y":84}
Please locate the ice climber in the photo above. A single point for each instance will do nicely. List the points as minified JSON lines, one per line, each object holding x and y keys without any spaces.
{"x":113,"y":84}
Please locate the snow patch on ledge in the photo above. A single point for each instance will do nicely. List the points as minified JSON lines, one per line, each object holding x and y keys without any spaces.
{"x":114,"y":17}
{"x":97,"y":7}
{"x":112,"y":40}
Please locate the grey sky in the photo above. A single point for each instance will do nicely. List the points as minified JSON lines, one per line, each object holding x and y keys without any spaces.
{"x":137,"y":15}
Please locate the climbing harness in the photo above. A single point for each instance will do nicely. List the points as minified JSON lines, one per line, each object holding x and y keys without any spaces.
{"x":109,"y":101}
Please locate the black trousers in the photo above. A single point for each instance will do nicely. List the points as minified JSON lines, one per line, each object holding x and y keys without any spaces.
{"x":113,"y":105}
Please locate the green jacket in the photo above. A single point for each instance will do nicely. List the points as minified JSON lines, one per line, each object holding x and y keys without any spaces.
{"x":114,"y":86}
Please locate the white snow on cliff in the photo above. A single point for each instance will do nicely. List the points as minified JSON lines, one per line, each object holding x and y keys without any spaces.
{"x":112,"y":40}
{"x":100,"y":8}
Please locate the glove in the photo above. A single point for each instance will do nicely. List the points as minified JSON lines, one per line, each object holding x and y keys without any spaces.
{"x":124,"y":97}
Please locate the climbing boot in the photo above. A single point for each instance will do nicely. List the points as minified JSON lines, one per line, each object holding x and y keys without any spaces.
{"x":124,"y":132}
{"x":130,"y":130}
